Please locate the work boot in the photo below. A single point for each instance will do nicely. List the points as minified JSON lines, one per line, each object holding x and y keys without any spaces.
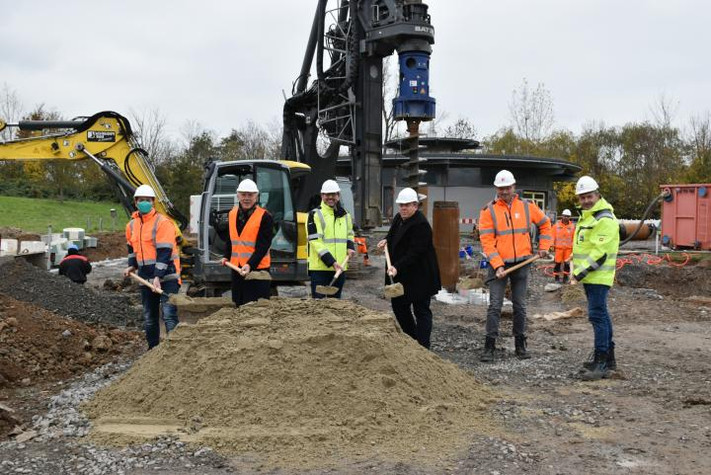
{"x":521,"y":352}
{"x":489,"y":348}
{"x":611,"y":363}
{"x":589,"y":365}
{"x":600,"y":370}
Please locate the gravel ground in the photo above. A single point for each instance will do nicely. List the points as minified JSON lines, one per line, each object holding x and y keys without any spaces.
{"x":651,"y":416}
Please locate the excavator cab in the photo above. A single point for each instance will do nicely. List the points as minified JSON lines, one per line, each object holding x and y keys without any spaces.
{"x":274,"y":180}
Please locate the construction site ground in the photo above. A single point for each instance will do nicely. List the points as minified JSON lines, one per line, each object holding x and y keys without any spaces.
{"x":652,"y":416}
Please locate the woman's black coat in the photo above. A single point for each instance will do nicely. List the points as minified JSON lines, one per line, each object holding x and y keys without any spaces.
{"x":413,"y":254}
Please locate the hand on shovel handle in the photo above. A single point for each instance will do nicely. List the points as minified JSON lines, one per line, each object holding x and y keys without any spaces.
{"x":513,"y":268}
{"x":390,"y":268}
{"x":339,"y":271}
{"x":140,"y":280}
{"x":233,"y":267}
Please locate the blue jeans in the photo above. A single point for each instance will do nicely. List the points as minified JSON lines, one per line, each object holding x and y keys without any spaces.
{"x":324,"y":277}
{"x":151,"y":311}
{"x":519,"y":285}
{"x":599,"y":317}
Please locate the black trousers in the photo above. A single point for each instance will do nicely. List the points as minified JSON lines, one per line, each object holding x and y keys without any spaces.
{"x":419,"y":325}
{"x":245,"y":291}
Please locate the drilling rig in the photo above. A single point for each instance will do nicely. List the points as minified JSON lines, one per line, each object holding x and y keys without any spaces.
{"x":344,"y":103}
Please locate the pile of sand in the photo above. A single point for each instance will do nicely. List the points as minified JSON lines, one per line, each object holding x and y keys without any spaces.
{"x":297,"y":383}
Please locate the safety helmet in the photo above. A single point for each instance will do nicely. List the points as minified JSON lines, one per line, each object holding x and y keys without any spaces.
{"x":72,"y":247}
{"x":144,"y":191}
{"x":330,"y":186}
{"x":504,"y":178}
{"x":247,"y":186}
{"x":407,"y":195}
{"x":585,"y":184}
{"x":566,"y":212}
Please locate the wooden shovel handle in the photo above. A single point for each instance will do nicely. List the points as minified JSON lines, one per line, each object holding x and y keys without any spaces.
{"x":340,"y":271}
{"x":516,"y":267}
{"x":233,"y":267}
{"x":143,"y":281}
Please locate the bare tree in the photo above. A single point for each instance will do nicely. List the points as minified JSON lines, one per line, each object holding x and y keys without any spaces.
{"x":390,"y":85}
{"x":532,"y":111}
{"x":663,"y":110}
{"x":150,"y":132}
{"x":461,"y":129}
{"x":10,"y":109}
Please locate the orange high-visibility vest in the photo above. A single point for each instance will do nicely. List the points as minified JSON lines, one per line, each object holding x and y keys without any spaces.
{"x":504,"y":231}
{"x":148,"y":233}
{"x":563,"y":235}
{"x":243,"y":245}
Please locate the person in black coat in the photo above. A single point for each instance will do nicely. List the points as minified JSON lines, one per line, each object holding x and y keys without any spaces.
{"x":414,"y":265}
{"x":74,"y":265}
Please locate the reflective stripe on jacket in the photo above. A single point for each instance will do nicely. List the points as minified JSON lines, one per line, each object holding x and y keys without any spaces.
{"x":243,"y":245}
{"x":329,"y":237}
{"x":597,"y":240}
{"x":505,"y":233}
{"x":152,"y":246}
{"x":563,"y":235}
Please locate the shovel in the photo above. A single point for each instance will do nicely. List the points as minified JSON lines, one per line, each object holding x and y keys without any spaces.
{"x":143,"y":281}
{"x":394,"y":289}
{"x":330,"y":289}
{"x":253,"y":275}
{"x":511,"y":269}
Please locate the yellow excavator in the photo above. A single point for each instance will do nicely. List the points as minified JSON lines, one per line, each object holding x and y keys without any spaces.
{"x":106,"y":138}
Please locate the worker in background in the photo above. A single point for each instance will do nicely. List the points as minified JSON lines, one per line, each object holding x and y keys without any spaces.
{"x":329,"y":229}
{"x":74,"y":265}
{"x":153,"y":254}
{"x":563,"y":232}
{"x":504,"y":230}
{"x":251,"y":232}
{"x":595,"y":245}
{"x":414,"y":265}
{"x":362,"y":247}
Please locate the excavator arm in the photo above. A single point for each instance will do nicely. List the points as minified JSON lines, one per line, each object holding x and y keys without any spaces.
{"x":105,"y":138}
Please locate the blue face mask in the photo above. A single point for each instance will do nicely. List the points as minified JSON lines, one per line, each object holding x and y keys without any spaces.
{"x":144,"y":207}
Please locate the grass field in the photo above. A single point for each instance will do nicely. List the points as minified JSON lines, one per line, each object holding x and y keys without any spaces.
{"x":34,"y":215}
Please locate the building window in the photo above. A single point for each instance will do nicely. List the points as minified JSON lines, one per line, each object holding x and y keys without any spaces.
{"x":538,"y":197}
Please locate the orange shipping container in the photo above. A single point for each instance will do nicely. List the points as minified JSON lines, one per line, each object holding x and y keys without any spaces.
{"x":686,"y":217}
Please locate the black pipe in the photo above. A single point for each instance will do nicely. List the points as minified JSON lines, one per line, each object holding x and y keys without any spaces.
{"x":309,"y":56}
{"x":49,"y":124}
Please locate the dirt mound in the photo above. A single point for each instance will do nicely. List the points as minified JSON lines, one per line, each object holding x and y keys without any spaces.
{"x":301,"y":383}
{"x":108,"y":246}
{"x":60,"y":295}
{"x":667,"y":279}
{"x":37,"y":346}
{"x":19,"y":234}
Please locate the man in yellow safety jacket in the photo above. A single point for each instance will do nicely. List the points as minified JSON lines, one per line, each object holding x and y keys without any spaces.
{"x":251,"y":232}
{"x":595,"y":246}
{"x":329,"y":229}
{"x":505,"y":234}
{"x":153,"y":253}
{"x":563,"y":243}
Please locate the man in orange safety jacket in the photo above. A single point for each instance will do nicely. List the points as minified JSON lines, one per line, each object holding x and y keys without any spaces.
{"x":563,"y":233}
{"x":505,"y":234}
{"x":251,"y":232}
{"x":153,"y":255}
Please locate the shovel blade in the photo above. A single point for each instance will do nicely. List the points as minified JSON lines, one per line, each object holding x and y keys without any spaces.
{"x":326,"y":290}
{"x":394,"y":290}
{"x":258,"y":275}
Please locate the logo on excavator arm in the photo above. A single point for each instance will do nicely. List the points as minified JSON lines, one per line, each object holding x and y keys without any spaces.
{"x":100,"y":136}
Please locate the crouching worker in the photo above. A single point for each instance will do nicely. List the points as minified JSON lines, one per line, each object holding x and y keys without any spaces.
{"x":74,"y":265}
{"x":153,"y":255}
{"x":251,"y":233}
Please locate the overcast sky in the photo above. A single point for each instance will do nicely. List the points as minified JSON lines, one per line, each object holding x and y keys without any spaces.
{"x":221,"y":63}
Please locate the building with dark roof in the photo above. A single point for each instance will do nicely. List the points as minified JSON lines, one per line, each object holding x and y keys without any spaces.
{"x":455,"y":172}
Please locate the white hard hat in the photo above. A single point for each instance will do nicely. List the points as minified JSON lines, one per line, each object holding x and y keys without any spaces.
{"x":585,"y":184}
{"x":144,"y":191}
{"x":504,"y":178}
{"x":330,"y":186}
{"x":247,"y":186}
{"x":408,"y":195}
{"x":566,"y":212}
